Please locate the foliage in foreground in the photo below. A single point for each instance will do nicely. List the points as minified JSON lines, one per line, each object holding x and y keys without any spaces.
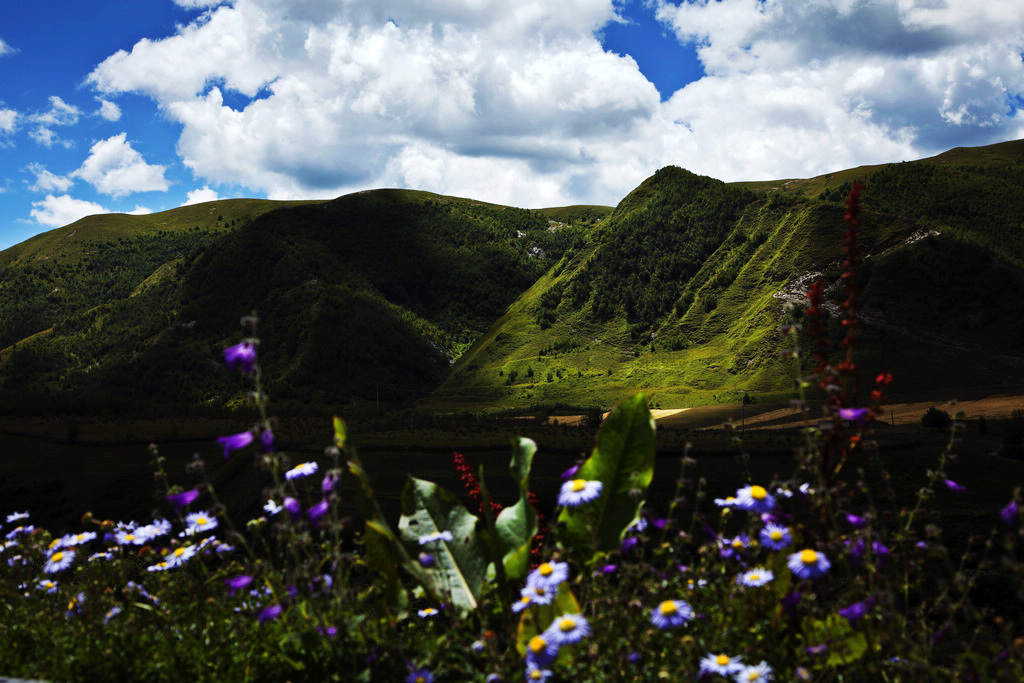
{"x":814,"y":577}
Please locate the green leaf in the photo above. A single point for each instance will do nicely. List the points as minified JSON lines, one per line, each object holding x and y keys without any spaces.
{"x":462,"y":562}
{"x":517,"y":525}
{"x":623,"y":462}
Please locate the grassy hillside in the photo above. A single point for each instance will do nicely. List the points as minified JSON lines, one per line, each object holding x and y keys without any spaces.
{"x":681,"y":292}
{"x":371,"y":295}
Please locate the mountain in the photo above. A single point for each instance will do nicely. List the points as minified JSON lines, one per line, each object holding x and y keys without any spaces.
{"x":370,"y":295}
{"x":455,"y":304}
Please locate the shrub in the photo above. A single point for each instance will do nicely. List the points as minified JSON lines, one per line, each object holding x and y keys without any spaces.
{"x":936,"y":419}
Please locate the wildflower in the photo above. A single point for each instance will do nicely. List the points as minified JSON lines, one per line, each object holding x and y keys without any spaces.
{"x":536,"y":673}
{"x":477,"y":646}
{"x":317,"y":510}
{"x":72,"y":540}
{"x":292,"y":506}
{"x":435,"y":536}
{"x":521,"y":604}
{"x":181,"y":555}
{"x":853,"y":414}
{"x":59,"y":561}
{"x":755,"y":577}
{"x":578,"y":491}
{"x":541,"y":650}
{"x":129,"y":537}
{"x":538,"y":595}
{"x":954,"y":487}
{"x":1009,"y":513}
{"x":235,"y":442}
{"x":858,"y":549}
{"x":808,"y":564}
{"x":271,"y":507}
{"x":243,"y":354}
{"x":720,"y":664}
{"x":548,"y":575}
{"x":15,"y":516}
{"x":159,"y":567}
{"x":854,"y":611}
{"x":47,"y":585}
{"x":754,"y":673}
{"x":755,"y":499}
{"x":100,"y":556}
{"x":199,"y":521}
{"x":19,"y":531}
{"x":111,"y":613}
{"x":237,"y":583}
{"x":728,"y":502}
{"x":775,"y":537}
{"x":419,"y":676}
{"x":330,"y":482}
{"x":568,"y":629}
{"x":180,"y":500}
{"x":428,"y":612}
{"x":671,"y":614}
{"x":270,"y":613}
{"x":299,"y":471}
{"x":267,"y":441}
{"x":733,"y":547}
{"x":857,"y":522}
{"x":427,"y":561}
{"x":565,"y":476}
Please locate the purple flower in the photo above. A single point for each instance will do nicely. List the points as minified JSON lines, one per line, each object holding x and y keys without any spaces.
{"x":293,"y":507}
{"x":330,"y":482}
{"x":237,"y":583}
{"x":180,"y":500}
{"x":1009,"y":513}
{"x":267,"y":441}
{"x":235,"y":442}
{"x":570,"y":473}
{"x":954,"y":487}
{"x":628,"y":544}
{"x":270,"y":613}
{"x":427,"y":560}
{"x":419,"y":676}
{"x":854,"y":611}
{"x":243,"y":354}
{"x":856,"y":521}
{"x":317,"y":511}
{"x":853,"y":414}
{"x":790,"y":601}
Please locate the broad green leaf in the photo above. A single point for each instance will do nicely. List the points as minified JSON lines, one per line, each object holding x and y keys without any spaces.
{"x":462,"y":562}
{"x":517,"y":525}
{"x":623,"y":462}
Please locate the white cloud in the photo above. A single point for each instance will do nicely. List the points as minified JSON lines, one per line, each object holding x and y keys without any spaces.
{"x":109,"y":110}
{"x":8,"y":122}
{"x":47,"y":181}
{"x":5,"y":48}
{"x":518,"y":103}
{"x":63,"y":210}
{"x":140,"y":211}
{"x":203,"y":194}
{"x":116,"y":169}
{"x":60,"y":113}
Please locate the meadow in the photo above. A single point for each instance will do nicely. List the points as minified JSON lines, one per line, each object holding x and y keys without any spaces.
{"x":833,"y":551}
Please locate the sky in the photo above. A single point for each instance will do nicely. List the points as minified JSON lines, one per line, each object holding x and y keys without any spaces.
{"x":137,"y":107}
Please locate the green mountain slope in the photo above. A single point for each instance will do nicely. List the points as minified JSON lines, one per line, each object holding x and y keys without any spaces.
{"x":682,"y":291}
{"x":369,"y":295}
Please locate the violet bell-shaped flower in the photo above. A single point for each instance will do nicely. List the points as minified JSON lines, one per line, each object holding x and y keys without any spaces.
{"x":242,"y":355}
{"x":235,"y":441}
{"x":180,"y":500}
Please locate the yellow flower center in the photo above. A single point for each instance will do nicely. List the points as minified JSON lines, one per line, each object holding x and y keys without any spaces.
{"x":722,"y":660}
{"x":56,"y":557}
{"x":539,"y":590}
{"x":754,"y":676}
{"x":538,"y":644}
{"x":737,"y":543}
{"x":758,"y":493}
{"x":54,"y":542}
{"x":525,"y":599}
{"x":753,"y":577}
{"x":536,"y":675}
{"x":200,"y":521}
{"x":178,"y":552}
{"x":129,"y":537}
{"x":566,"y":625}
{"x":546,"y":569}
{"x":776,"y":535}
{"x":578,"y":485}
{"x":668,"y":608}
{"x":421,"y":679}
{"x":808,"y":557}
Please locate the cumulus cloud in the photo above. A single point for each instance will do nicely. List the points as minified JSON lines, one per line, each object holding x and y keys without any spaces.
{"x":109,"y":110}
{"x":47,"y":181}
{"x":519,"y":103}
{"x":63,"y":210}
{"x":8,"y":122}
{"x":116,"y":169}
{"x":60,"y":113}
{"x":203,"y":194}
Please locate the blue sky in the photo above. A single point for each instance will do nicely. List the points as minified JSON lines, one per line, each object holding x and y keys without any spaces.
{"x":128,"y":106}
